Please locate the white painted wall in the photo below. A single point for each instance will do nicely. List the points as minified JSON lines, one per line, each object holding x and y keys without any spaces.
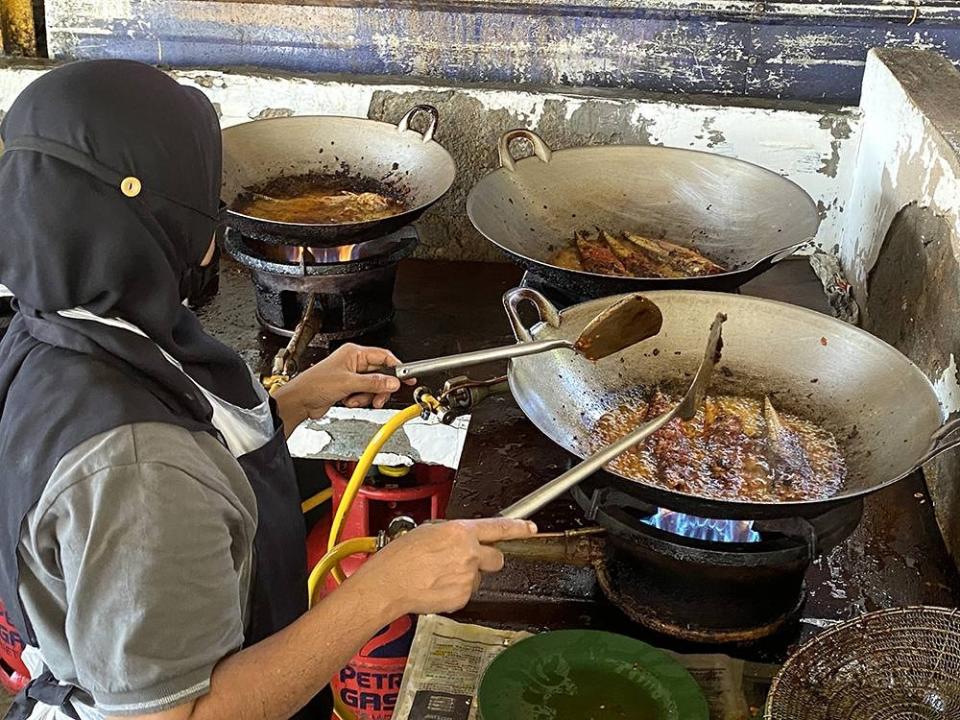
{"x":814,"y":149}
{"x":899,"y":163}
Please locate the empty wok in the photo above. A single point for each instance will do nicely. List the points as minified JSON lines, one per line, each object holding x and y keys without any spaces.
{"x":879,"y":405}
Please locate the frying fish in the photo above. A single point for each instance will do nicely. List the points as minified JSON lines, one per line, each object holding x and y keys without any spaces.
{"x":632,"y":255}
{"x":321,"y":205}
{"x":735,"y":448}
{"x":597,"y":257}
{"x":636,"y":263}
{"x":687,"y":262}
{"x":788,"y":461}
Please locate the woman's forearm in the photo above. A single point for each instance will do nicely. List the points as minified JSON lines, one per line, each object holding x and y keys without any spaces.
{"x":279,"y":675}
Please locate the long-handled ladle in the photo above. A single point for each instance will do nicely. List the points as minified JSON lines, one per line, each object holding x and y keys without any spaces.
{"x":626,"y":322}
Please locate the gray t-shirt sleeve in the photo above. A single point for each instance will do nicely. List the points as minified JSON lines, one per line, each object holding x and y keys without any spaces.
{"x":151,"y":582}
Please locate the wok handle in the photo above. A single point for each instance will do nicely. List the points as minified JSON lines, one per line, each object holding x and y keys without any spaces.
{"x":545,"y":309}
{"x":788,"y":251}
{"x":941,"y":441}
{"x":434,"y":114}
{"x":781,"y":254}
{"x":540,"y":148}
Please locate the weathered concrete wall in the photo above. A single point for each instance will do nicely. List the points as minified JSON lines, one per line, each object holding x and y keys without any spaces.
{"x":901,"y":240}
{"x":815,"y":148}
{"x":803,"y":49}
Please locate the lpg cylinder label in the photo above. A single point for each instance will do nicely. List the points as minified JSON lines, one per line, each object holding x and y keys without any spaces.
{"x":10,"y":640}
{"x":370,"y":684}
{"x":370,"y":691}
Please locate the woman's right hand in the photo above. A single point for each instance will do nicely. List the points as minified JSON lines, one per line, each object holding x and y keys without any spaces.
{"x":437,"y":567}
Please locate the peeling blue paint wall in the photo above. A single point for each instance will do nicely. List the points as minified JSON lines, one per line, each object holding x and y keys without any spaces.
{"x":797,"y":51}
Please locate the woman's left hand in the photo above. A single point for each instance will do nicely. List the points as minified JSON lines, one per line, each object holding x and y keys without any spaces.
{"x":346,"y":376}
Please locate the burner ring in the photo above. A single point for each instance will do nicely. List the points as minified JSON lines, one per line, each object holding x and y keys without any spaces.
{"x":397,"y":247}
{"x":659,"y":612}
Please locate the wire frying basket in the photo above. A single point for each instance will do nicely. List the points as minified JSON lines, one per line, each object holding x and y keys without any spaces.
{"x":899,"y":664}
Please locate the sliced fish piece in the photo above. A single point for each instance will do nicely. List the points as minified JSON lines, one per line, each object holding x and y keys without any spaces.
{"x":734,"y":445}
{"x":634,"y":260}
{"x":788,"y":459}
{"x":597,"y":256}
{"x":681,"y":261}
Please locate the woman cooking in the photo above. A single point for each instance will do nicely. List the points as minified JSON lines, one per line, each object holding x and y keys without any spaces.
{"x":152,"y":550}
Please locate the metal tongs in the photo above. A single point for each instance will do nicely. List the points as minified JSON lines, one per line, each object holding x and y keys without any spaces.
{"x":686,"y":409}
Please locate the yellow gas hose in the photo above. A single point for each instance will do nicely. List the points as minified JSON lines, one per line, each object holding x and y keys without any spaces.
{"x":315,"y":500}
{"x":337,"y":551}
{"x":330,"y":560}
{"x":360,"y":472}
{"x":333,"y":557}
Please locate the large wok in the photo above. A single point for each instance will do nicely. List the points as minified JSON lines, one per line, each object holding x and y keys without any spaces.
{"x":880,"y":406}
{"x":414,"y":165}
{"x":741,"y":215}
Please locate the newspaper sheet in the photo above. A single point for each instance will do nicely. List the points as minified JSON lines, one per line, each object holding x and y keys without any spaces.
{"x":735,"y":689}
{"x":448,"y":659}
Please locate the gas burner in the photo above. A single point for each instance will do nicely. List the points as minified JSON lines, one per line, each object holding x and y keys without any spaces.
{"x":698,"y":528}
{"x":300,"y":255}
{"x":707,"y":580}
{"x":322,"y":295}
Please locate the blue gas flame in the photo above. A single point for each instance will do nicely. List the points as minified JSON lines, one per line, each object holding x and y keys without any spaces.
{"x":710,"y":529}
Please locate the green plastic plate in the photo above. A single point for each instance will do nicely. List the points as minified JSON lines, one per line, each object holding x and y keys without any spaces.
{"x":588,"y":675}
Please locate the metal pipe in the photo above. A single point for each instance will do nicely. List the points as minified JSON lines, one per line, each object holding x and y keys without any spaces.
{"x":571,"y":547}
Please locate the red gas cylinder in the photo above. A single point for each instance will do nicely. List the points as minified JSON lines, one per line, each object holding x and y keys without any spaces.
{"x":368,"y":685}
{"x":13,"y":673}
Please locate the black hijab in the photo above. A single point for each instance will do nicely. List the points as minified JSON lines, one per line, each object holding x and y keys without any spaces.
{"x":109,"y":185}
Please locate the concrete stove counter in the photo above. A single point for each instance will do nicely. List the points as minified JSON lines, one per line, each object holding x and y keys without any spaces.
{"x":895,"y":557}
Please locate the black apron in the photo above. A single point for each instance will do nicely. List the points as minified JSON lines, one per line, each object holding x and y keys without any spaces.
{"x":279,"y":582}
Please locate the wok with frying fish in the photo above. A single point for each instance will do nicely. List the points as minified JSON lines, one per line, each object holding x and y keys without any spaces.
{"x":741,"y":217}
{"x":879,"y":408}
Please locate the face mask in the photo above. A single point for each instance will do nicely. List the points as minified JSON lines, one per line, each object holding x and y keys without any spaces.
{"x":200,"y":283}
